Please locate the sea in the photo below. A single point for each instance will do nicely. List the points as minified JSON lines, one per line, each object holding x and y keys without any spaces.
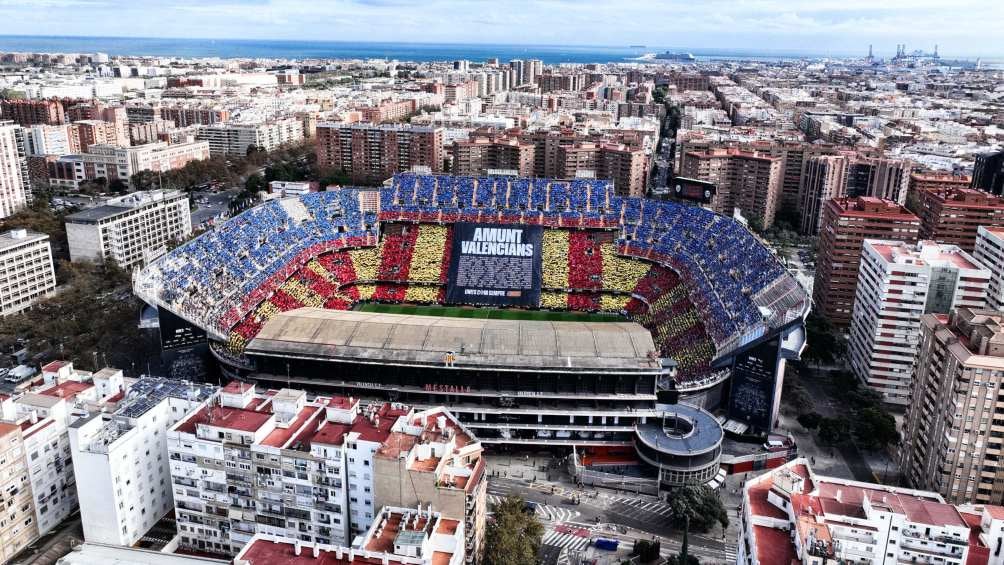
{"x":419,"y":52}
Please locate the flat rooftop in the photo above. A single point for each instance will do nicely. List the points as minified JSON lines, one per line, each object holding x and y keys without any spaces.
{"x":13,"y":238}
{"x":425,"y":340}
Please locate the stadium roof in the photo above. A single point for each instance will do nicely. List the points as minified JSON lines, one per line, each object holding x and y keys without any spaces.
{"x":425,"y":340}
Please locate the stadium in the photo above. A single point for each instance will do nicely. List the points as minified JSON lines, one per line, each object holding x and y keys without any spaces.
{"x":542,"y":312}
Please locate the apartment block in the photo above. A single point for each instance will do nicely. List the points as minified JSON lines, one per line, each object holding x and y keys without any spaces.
{"x":370,"y":154}
{"x":229,"y":138}
{"x":988,"y":173}
{"x":792,"y":515}
{"x":951,"y":433}
{"x":43,"y":411}
{"x":745,"y":180}
{"x":953,"y":215}
{"x":131,"y":229}
{"x":845,"y":224}
{"x":823,"y":178}
{"x":492,"y":153}
{"x":31,"y":112}
{"x":18,"y":526}
{"x":398,"y":536}
{"x":112,"y":162}
{"x":897,"y":284}
{"x":317,"y":470}
{"x":389,"y":111}
{"x":26,"y":271}
{"x":14,"y":187}
{"x":123,"y":454}
{"x":990,"y":253}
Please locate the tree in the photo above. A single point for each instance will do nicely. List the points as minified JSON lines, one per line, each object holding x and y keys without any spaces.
{"x":874,"y":428}
{"x":676,"y":560}
{"x":825,"y":344}
{"x":833,"y":431}
{"x":92,"y":321}
{"x":513,"y":536}
{"x":810,"y":421}
{"x":255,"y":183}
{"x":646,"y":551}
{"x":701,"y":504}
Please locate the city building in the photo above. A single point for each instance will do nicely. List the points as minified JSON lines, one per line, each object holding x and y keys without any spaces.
{"x":14,"y":187}
{"x":18,"y":526}
{"x":31,"y":112}
{"x":114,"y":163}
{"x":951,"y":441}
{"x":389,"y":111}
{"x":988,"y":173}
{"x":744,"y":180}
{"x":897,"y":283}
{"x":342,"y":463}
{"x":824,"y":177}
{"x":990,"y":253}
{"x":123,"y":455}
{"x":44,"y":412}
{"x":625,"y":165}
{"x":845,"y":224}
{"x":51,"y":140}
{"x":492,"y":153}
{"x":292,"y":188}
{"x":229,"y":138}
{"x":370,"y":154}
{"x":397,"y":536}
{"x":792,"y":515}
{"x":131,"y":229}
{"x":26,"y":262}
{"x":936,"y":181}
{"x":953,"y":215}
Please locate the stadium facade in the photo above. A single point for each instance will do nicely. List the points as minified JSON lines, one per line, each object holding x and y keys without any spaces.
{"x":697,"y":310}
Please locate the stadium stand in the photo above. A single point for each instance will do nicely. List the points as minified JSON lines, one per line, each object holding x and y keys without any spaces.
{"x":700,"y":282}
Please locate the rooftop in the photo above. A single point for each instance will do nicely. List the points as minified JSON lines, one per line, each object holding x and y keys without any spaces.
{"x":224,"y":417}
{"x":17,"y":237}
{"x":425,"y":340}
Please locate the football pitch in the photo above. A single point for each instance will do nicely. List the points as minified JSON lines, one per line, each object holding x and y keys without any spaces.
{"x":487,"y":313}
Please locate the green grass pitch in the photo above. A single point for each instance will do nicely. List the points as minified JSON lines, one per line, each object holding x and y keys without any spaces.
{"x":487,"y":313}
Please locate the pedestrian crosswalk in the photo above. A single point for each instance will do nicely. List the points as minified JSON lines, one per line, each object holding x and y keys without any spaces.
{"x":545,"y":512}
{"x":654,"y":507}
{"x":571,"y":542}
{"x":730,"y":554}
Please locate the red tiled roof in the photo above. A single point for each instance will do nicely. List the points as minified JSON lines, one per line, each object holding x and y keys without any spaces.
{"x":996,"y":512}
{"x":280,"y":436}
{"x":225,"y":417}
{"x":54,"y":366}
{"x":67,"y":389}
{"x":262,"y":552}
{"x":116,"y":397}
{"x":759,"y":505}
{"x":773,"y":546}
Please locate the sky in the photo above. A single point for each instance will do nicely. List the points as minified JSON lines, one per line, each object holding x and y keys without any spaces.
{"x":960,"y":27}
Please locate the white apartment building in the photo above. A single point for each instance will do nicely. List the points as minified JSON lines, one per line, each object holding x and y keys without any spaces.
{"x":26,"y":271}
{"x":13,"y":169}
{"x":282,"y":465}
{"x":124,"y":457}
{"x":897,"y":284}
{"x":17,"y":510}
{"x":43,"y":422}
{"x":231,"y":138}
{"x":50,"y":140}
{"x":112,"y":162}
{"x":791,"y":515}
{"x":990,"y":252}
{"x":131,"y":229}
{"x":397,"y":536}
{"x":42,"y":414}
